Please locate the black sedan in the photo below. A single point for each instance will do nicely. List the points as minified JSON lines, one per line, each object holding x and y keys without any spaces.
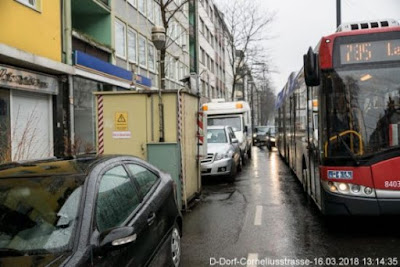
{"x":93,"y":211}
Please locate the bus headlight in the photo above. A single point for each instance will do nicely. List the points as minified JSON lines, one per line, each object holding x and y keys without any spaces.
{"x":355,"y":188}
{"x":343,"y":187}
{"x":368,"y":190}
{"x":348,"y":189}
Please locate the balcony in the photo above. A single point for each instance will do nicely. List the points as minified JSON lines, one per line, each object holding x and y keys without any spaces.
{"x":92,"y":18}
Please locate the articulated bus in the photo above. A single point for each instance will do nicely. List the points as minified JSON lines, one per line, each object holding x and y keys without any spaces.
{"x":338,"y":120}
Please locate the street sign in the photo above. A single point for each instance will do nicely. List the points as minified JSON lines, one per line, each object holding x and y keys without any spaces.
{"x":121,"y":121}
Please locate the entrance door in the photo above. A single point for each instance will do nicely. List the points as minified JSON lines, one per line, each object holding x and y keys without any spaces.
{"x":31,"y":125}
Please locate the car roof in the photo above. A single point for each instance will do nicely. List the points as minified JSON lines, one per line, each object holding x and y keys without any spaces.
{"x":50,"y":167}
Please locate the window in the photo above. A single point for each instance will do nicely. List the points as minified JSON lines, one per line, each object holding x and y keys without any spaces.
{"x":116,"y":199}
{"x":157,"y":15}
{"x":145,"y":178}
{"x":201,"y":26}
{"x":150,"y":56}
{"x":132,"y":45}
{"x":120,"y":39}
{"x":142,"y":51}
{"x":142,"y":6}
{"x":150,"y":10}
{"x":132,"y":2}
{"x":30,"y":3}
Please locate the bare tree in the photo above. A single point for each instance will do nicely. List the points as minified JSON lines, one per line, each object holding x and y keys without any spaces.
{"x":169,"y":9}
{"x":247,"y":24}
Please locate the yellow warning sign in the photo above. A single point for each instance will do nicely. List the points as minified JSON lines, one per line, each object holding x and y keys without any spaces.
{"x":121,"y":121}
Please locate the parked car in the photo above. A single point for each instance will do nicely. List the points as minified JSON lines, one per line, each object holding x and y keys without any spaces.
{"x":260,"y":135}
{"x":270,"y":138}
{"x":223,"y":153}
{"x":91,"y":211}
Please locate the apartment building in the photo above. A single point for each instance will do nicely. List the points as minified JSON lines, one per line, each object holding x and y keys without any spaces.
{"x":32,"y":86}
{"x":111,"y":49}
{"x":215,"y":74}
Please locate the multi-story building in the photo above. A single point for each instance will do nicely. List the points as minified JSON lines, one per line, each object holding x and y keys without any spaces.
{"x":32,"y":79}
{"x":111,"y":49}
{"x":212,"y":52}
{"x":55,"y":54}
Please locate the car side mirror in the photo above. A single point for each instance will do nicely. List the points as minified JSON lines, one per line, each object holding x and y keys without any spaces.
{"x":117,"y":236}
{"x":245,"y":128}
{"x":235,"y":141}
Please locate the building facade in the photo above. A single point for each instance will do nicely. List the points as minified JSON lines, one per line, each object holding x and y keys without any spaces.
{"x":32,"y":79}
{"x":212,"y":56}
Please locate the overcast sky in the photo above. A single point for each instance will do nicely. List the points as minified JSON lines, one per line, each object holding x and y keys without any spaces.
{"x":300,"y":24}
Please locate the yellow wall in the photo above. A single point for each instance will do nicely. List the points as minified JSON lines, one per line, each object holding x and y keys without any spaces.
{"x":37,"y":32}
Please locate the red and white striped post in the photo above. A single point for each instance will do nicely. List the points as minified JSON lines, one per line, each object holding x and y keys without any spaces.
{"x":100,"y":112}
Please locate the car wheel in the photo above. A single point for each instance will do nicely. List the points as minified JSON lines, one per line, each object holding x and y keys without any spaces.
{"x":269,"y":146}
{"x":175,"y":247}
{"x":240,"y":165}
{"x":232,"y":175}
{"x":249,"y":153}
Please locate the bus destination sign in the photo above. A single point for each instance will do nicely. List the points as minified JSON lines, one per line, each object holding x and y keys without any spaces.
{"x":377,"y":51}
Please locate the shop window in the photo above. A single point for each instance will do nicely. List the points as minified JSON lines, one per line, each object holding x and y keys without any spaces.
{"x":85,"y":114}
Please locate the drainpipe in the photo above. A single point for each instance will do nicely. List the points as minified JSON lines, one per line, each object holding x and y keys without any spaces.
{"x":67,"y":31}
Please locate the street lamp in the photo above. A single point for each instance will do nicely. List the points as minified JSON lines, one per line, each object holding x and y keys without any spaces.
{"x":251,"y":83}
{"x":158,"y":38}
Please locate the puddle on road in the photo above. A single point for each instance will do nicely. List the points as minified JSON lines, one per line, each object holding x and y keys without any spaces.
{"x":217,"y":196}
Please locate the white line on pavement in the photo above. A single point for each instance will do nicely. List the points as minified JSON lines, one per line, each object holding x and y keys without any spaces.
{"x":252,"y":259}
{"x":258,"y":217}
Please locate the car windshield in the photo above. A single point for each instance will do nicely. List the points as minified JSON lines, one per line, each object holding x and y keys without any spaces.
{"x":363,"y":111}
{"x":233,"y":122}
{"x":261,"y":129}
{"x":38,"y":215}
{"x":216,"y":136}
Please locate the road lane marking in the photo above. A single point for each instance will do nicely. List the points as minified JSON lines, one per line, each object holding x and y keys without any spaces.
{"x":252,"y":260}
{"x":258,"y":217}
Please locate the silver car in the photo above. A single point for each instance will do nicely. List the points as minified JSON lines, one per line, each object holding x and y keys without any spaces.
{"x":223,"y":153}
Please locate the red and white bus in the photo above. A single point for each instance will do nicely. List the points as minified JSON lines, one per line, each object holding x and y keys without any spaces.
{"x":338,"y":120}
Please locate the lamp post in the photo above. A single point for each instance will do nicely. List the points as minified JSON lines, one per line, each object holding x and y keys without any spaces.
{"x":158,"y":38}
{"x":251,"y":83}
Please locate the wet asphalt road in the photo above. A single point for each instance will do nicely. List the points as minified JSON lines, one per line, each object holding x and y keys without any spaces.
{"x":265,"y":215}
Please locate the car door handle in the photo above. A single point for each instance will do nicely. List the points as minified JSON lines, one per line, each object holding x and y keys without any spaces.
{"x":150,"y":219}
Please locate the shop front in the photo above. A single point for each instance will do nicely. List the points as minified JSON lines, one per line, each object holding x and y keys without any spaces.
{"x":26,"y":114}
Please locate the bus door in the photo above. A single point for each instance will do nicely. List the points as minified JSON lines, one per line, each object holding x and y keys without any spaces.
{"x":313,"y":145}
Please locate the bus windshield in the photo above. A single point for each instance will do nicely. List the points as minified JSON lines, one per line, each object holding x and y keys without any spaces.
{"x":362,"y":111}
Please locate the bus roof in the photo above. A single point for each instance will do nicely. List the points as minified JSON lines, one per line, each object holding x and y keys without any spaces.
{"x":327,"y":42}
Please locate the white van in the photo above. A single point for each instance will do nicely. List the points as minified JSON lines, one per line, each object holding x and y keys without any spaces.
{"x":236,"y":115}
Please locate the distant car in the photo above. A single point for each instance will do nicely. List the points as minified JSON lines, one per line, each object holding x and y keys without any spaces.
{"x":260,"y":135}
{"x":92,"y":211}
{"x":223,"y":153}
{"x":270,"y":138}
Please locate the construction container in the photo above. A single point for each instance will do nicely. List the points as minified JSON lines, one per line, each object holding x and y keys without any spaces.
{"x":128,"y":122}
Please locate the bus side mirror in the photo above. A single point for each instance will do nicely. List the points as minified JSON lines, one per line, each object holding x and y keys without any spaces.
{"x":311,"y":68}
